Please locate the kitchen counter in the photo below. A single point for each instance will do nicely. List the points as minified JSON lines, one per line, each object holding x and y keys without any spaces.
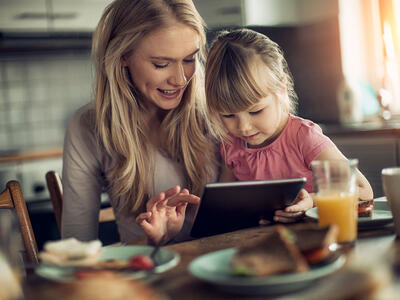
{"x":30,"y":168}
{"x":19,"y":156}
{"x":391,"y":127}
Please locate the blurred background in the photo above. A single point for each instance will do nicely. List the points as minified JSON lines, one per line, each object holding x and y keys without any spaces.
{"x":343,"y":55}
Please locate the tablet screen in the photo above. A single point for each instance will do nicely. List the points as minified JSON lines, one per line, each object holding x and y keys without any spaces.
{"x":230,"y":206}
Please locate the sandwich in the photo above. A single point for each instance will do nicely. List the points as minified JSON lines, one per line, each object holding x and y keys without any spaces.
{"x":365,"y":208}
{"x":277,"y":253}
{"x":315,"y":243}
{"x":71,"y":252}
{"x":287,"y":249}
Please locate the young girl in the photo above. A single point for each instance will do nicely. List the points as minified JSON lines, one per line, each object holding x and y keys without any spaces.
{"x":251,"y":101}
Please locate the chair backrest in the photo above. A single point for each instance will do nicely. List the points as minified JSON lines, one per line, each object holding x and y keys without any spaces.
{"x":54,"y":185}
{"x":12,"y":198}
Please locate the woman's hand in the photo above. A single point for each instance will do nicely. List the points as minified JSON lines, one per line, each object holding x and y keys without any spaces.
{"x":165,"y":214}
{"x":296,"y":211}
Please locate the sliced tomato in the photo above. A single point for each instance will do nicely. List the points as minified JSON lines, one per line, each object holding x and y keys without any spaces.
{"x":314,"y":256}
{"x":141,"y":262}
{"x":365,"y":209}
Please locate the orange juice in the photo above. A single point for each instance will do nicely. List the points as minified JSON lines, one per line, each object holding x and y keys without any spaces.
{"x":340,"y":209}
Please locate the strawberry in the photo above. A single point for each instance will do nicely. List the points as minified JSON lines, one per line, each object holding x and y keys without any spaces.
{"x":141,"y":262}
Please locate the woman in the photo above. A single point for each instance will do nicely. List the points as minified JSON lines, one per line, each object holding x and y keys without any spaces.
{"x":146,"y":130}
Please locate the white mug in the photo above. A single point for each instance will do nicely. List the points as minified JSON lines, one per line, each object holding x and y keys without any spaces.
{"x":391,"y":187}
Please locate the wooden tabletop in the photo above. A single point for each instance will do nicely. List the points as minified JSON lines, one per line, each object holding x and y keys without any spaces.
{"x":178,"y":283}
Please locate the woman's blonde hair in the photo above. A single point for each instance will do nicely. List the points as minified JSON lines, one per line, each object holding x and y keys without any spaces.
{"x":230,"y":82}
{"x":121,"y":111}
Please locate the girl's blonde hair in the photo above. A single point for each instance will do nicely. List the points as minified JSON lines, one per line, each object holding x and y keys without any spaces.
{"x":230,"y":82}
{"x":121,"y":111}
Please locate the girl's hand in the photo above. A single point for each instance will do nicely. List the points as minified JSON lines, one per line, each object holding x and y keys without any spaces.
{"x":165,"y":214}
{"x":296,"y":211}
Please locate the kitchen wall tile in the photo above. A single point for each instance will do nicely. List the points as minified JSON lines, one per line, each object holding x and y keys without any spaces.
{"x":17,"y":94}
{"x":38,"y":114}
{"x":4,"y":140}
{"x":36,"y":70}
{"x":39,"y":92}
{"x":3,"y":120}
{"x":55,"y":70}
{"x":17,"y":116}
{"x":3,"y":99}
{"x":15,"y":70}
{"x":57,"y":112}
{"x":3,"y":77}
{"x":20,"y":138}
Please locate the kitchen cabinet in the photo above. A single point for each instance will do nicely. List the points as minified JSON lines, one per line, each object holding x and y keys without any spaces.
{"x":32,"y":176}
{"x":221,"y":13}
{"x":23,"y":15}
{"x":50,"y":15}
{"x":226,"y":13}
{"x":288,"y":12}
{"x":77,"y":15}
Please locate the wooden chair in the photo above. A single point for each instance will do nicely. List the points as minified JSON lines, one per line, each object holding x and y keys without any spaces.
{"x":54,"y":185}
{"x":12,"y":198}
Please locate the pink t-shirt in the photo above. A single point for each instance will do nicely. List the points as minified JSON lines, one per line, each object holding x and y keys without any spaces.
{"x":289,"y":156}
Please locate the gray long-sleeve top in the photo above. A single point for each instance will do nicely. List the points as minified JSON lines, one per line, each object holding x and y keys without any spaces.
{"x":86,"y":169}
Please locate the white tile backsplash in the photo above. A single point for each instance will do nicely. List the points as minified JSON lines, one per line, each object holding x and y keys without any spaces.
{"x":15,"y":70}
{"x":38,"y":94}
{"x":3,"y":137}
{"x":18,"y":92}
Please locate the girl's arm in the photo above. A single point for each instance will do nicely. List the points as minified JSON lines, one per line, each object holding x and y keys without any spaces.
{"x":305,"y":201}
{"x":364,"y":188}
{"x":226,"y":174}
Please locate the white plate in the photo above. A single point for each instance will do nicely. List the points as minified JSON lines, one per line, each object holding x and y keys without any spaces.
{"x":215,"y":268}
{"x":165,"y":259}
{"x":381,"y":215}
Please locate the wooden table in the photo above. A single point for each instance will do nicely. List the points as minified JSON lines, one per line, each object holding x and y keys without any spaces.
{"x":178,"y":283}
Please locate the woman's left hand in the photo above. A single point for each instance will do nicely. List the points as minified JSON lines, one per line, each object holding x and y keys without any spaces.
{"x":296,"y":211}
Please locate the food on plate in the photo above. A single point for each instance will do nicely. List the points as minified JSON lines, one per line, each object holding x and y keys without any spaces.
{"x":287,"y":249}
{"x":365,"y":208}
{"x":135,"y":263}
{"x":71,"y":252}
{"x":276,"y":253}
{"x":141,"y":262}
{"x":314,"y":242}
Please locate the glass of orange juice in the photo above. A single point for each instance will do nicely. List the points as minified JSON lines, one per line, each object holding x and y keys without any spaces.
{"x":337,"y":195}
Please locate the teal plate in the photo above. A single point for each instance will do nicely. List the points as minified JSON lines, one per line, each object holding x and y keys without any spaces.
{"x":215,"y":268}
{"x":381,"y":215}
{"x":165,"y":259}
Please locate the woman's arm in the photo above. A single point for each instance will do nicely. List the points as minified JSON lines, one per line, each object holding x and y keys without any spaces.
{"x":364,"y":188}
{"x":82,"y":184}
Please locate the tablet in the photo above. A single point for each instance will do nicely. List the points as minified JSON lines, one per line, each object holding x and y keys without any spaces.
{"x":230,"y":206}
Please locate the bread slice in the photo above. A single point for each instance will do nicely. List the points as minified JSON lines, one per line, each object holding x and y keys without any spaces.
{"x":71,"y":252}
{"x":313,"y":241}
{"x":365,"y":208}
{"x":277,"y":253}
